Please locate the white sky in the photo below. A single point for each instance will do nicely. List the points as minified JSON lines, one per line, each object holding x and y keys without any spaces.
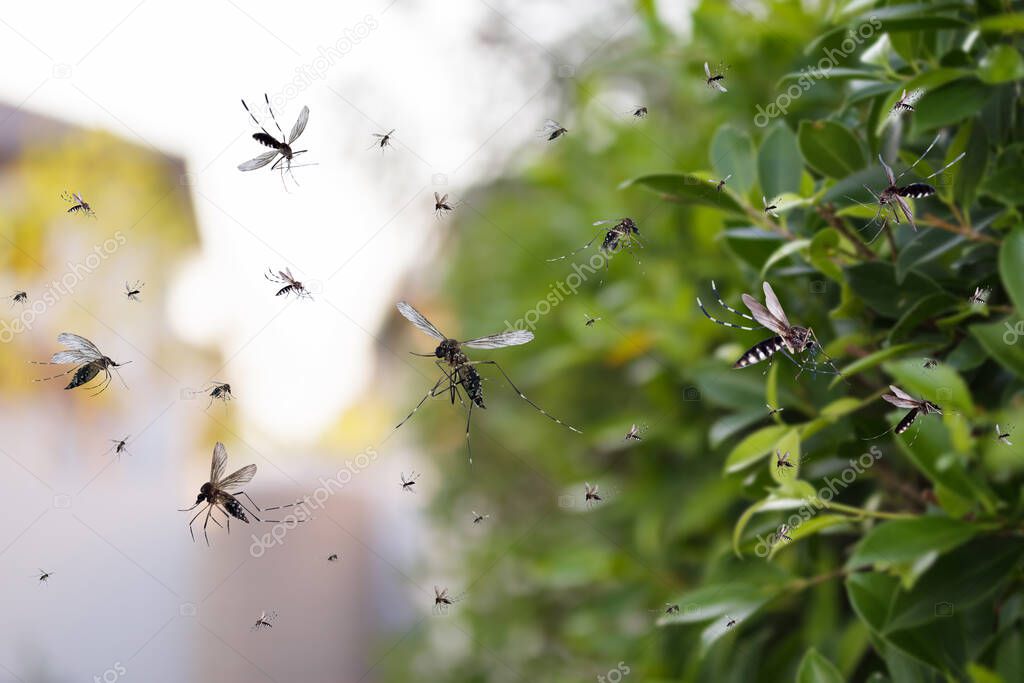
{"x":170,"y":74}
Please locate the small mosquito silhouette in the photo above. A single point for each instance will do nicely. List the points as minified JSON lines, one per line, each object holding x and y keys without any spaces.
{"x":669,"y":608}
{"x":87,"y":361}
{"x":906,"y":102}
{"x":291,"y":285}
{"x":782,"y":460}
{"x":120,"y":446}
{"x":44,"y":575}
{"x":591,"y":495}
{"x":772,"y":412}
{"x":720,"y":185}
{"x":218,"y":391}
{"x":552,"y":130}
{"x":19,"y":298}
{"x":333,"y":557}
{"x":1002,"y":436}
{"x":441,"y":204}
{"x":770,"y":207}
{"x":477,"y":517}
{"x":442,"y":601}
{"x":410,"y":482}
{"x":383,"y":139}
{"x":929,"y":363}
{"x":133,"y":291}
{"x":282,"y":147}
{"x":635,"y":431}
{"x":79,"y":205}
{"x":589,"y":320}
{"x":264,"y":621}
{"x":715,"y":81}
{"x":640,"y":111}
{"x":980,"y":296}
{"x":782,"y":534}
{"x":730,"y":621}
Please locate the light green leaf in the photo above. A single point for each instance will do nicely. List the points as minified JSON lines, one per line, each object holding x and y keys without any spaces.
{"x":814,"y":668}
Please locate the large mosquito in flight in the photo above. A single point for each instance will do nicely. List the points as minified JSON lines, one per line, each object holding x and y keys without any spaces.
{"x":221,"y":493}
{"x":88,"y":361}
{"x":902,"y":399}
{"x":281,"y":147}
{"x":790,"y":339}
{"x":458,"y":371}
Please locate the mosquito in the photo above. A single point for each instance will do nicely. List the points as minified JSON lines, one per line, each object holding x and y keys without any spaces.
{"x":730,"y":622}
{"x":408,"y":483}
{"x":133,"y":291}
{"x":782,"y":534}
{"x":221,"y":493}
{"x":591,"y":495}
{"x":589,"y":320}
{"x":715,"y":81}
{"x":669,"y":608}
{"x":894,"y":196}
{"x":720,"y":185}
{"x":772,"y":412}
{"x":552,"y":130}
{"x":79,"y":205}
{"x":623,"y":233}
{"x":441,"y":204}
{"x":770,"y":208}
{"x":44,"y":575}
{"x":1004,"y":436}
{"x":88,"y":362}
{"x":640,"y":111}
{"x":906,"y":102}
{"x":789,"y":339}
{"x":333,"y":557}
{"x":980,"y":296}
{"x":477,"y":517}
{"x":635,"y":431}
{"x":442,"y":601}
{"x":218,"y":391}
{"x":458,"y":371}
{"x":902,"y":399}
{"x":19,"y":298}
{"x":383,"y":139}
{"x":929,"y":363}
{"x":264,"y":621}
{"x":282,"y":147}
{"x":120,"y":446}
{"x":291,"y":285}
{"x":782,"y":460}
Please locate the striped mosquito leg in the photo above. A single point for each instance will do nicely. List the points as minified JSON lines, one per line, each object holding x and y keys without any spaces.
{"x":430,"y":394}
{"x":727,"y":306}
{"x":722,"y":322}
{"x":469,"y":416}
{"x":522,"y":395}
{"x":760,"y":352}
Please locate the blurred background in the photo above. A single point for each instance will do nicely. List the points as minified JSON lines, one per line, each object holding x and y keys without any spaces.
{"x":135,"y":105}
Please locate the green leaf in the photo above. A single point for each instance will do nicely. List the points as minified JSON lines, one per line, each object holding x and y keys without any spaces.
{"x":875,"y":283}
{"x":1011,"y":267}
{"x":1003,"y":23}
{"x":905,"y":541}
{"x":732,"y":152}
{"x":830,"y":148}
{"x":877,"y":358}
{"x":925,"y":246}
{"x":754,"y":447}
{"x":809,"y":528}
{"x":782,"y":252}
{"x":687,"y":188}
{"x":1002,"y":64}
{"x":823,"y":245}
{"x":778,"y":162}
{"x":1003,"y":342}
{"x":814,"y":668}
{"x":950,"y":104}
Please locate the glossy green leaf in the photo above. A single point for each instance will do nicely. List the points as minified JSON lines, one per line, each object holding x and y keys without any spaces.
{"x":754,"y":447}
{"x":687,"y":188}
{"x":902,"y":541}
{"x":814,"y":668}
{"x":732,"y":153}
{"x":1011,"y":267}
{"x":830,"y":148}
{"x":779,"y":164}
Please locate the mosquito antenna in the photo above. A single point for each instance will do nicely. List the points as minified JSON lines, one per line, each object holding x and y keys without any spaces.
{"x":251,"y":116}
{"x":271,"y":110}
{"x":920,"y":157}
{"x":962,"y":155}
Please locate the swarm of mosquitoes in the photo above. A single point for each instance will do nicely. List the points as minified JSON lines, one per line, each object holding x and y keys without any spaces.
{"x":223,"y":498}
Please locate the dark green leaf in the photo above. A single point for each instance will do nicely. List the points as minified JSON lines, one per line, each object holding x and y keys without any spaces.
{"x":814,"y":668}
{"x":778,"y":162}
{"x":830,"y":148}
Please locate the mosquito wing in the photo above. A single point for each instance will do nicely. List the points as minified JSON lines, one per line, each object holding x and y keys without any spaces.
{"x":774,"y":307}
{"x":888,"y":171}
{"x":220,"y":458}
{"x":300,"y":125}
{"x":79,"y":345}
{"x":259,"y":162}
{"x":900,"y":398}
{"x":707,"y":70}
{"x":718,"y":85}
{"x":238,"y":478}
{"x":763,"y":315}
{"x":496,"y":341}
{"x":417,"y":319}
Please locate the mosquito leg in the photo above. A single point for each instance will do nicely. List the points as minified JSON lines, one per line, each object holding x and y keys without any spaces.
{"x":190,"y":529}
{"x":271,"y":110}
{"x":572,"y":253}
{"x":469,"y":416}
{"x":522,"y":395}
{"x":44,"y":379}
{"x":429,"y":394}
{"x":254,"y":119}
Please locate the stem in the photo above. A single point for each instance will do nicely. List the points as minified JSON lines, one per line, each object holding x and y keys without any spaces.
{"x":861,"y":512}
{"x":962,"y":230}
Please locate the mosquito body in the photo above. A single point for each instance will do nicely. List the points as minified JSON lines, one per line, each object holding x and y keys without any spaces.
{"x":670,"y":608}
{"x":222,"y":493}
{"x":980,"y":296}
{"x":770,"y":207}
{"x":120,"y":446}
{"x":410,"y":482}
{"x":623,"y":233}
{"x":589,"y":320}
{"x":333,"y":557}
{"x":133,"y":291}
{"x":442,"y":601}
{"x":906,"y":102}
{"x":264,"y":621}
{"x":218,"y":391}
{"x":44,"y":576}
{"x":460,"y":374}
{"x":929,"y":363}
{"x":902,"y":399}
{"x":591,"y":494}
{"x":782,"y":460}
{"x":87,"y":361}
{"x":477,"y":517}
{"x":782,"y":534}
{"x":720,"y":185}
{"x":772,"y":412}
{"x":441,"y":204}
{"x":291,"y":285}
{"x":78,"y":205}
{"x":553,"y":130}
{"x":1002,"y":436}
{"x":282,"y":147}
{"x":790,"y":339}
{"x":640,"y":111}
{"x":19,"y":298}
{"x":714,"y":80}
{"x":635,"y":431}
{"x":383,"y":139}
{"x":730,"y":622}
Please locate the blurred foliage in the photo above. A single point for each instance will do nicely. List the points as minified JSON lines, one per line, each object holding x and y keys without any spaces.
{"x":908,"y":570}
